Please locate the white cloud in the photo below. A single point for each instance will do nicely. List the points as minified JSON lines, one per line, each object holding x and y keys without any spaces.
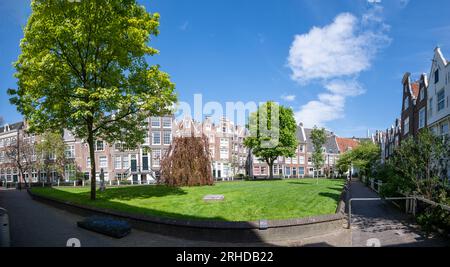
{"x":316,"y":113}
{"x":288,"y":98}
{"x":334,"y":56}
{"x":339,"y":49}
{"x":345,"y":87}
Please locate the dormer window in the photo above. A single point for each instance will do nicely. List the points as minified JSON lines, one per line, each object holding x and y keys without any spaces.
{"x":406,"y":103}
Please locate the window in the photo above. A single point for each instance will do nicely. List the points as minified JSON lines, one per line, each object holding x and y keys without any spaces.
{"x":436,"y":76}
{"x":70,"y":151}
{"x":444,"y":129}
{"x":309,"y":161}
{"x":301,"y":171}
{"x":125,"y":162}
{"x":51,"y":156}
{"x":422,"y":118}
{"x":69,"y":172}
{"x":288,"y":171}
{"x":156,"y":157}
{"x":99,"y":146}
{"x":88,"y":162}
{"x":406,"y":126}
{"x":224,"y":142}
{"x":103,"y":161}
{"x":118,"y":163}
{"x":118,"y":146}
{"x":223,"y":153}
{"x":146,"y":137}
{"x":295,"y":160}
{"x":302,"y":160}
{"x":156,"y":122}
{"x":156,"y":136}
{"x":441,"y":100}
{"x":421,"y":94}
{"x":302,"y":148}
{"x":406,"y":103}
{"x":167,"y":122}
{"x":167,"y":139}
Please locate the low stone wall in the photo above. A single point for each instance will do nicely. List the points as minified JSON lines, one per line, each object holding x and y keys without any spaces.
{"x":219,"y":231}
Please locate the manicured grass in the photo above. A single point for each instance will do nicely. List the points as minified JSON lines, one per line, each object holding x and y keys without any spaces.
{"x":244,"y":201}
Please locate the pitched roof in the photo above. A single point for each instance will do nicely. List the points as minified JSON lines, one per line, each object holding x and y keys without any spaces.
{"x":12,"y":127}
{"x":330,"y":145}
{"x":346,"y":144}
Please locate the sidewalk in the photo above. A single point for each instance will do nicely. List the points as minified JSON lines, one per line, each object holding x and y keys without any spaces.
{"x":382,"y":221}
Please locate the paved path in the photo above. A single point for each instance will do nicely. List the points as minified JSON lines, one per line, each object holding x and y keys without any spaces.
{"x":381,"y":220}
{"x":34,"y":224}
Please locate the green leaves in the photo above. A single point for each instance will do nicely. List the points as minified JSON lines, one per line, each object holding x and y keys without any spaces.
{"x":83,"y":68}
{"x":422,"y":163}
{"x":364,"y":157}
{"x":272,"y":132}
{"x":318,"y":139}
{"x":88,"y":60}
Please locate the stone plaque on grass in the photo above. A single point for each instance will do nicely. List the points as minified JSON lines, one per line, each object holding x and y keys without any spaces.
{"x":213,"y":198}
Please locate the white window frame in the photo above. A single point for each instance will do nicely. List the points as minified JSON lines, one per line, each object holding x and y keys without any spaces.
{"x":165,"y":124}
{"x":169,"y":136}
{"x":422,"y":117}
{"x":97,"y":146}
{"x":406,"y":126}
{"x":117,"y":162}
{"x":155,"y":122}
{"x":105,"y":165}
{"x":153,"y":138}
{"x":441,"y":101}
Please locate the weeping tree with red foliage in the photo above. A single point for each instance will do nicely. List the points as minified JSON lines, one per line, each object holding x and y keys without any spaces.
{"x":187,"y":163}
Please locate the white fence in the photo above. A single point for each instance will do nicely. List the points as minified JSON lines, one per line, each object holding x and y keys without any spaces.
{"x":375,"y":185}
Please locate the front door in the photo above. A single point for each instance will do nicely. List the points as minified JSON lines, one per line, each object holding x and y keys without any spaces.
{"x":145,"y":162}
{"x":133,"y":164}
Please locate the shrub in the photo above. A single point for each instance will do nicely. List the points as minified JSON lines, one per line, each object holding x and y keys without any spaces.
{"x":188,"y":163}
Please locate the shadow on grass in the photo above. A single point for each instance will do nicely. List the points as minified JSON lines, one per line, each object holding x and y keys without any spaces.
{"x":334,"y":196}
{"x":139,"y":192}
{"x":110,"y":200}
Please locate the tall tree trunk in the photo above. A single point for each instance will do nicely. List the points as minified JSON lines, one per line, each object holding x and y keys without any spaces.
{"x":92,"y":159}
{"x":270,"y":162}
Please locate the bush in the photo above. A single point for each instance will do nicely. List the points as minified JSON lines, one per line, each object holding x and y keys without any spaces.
{"x":188,"y":163}
{"x":434,"y":218}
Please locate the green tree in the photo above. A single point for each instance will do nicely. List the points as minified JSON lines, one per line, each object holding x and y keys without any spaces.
{"x":83,"y":67}
{"x":318,"y":139}
{"x":364,"y":157}
{"x":50,"y":151}
{"x":272,"y":133}
{"x":344,"y":162}
{"x":421,"y":164}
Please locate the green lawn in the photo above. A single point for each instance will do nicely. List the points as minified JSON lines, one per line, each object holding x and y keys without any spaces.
{"x":244,"y":201}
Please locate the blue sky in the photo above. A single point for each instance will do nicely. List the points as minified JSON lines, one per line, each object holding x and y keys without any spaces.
{"x":336,"y":63}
